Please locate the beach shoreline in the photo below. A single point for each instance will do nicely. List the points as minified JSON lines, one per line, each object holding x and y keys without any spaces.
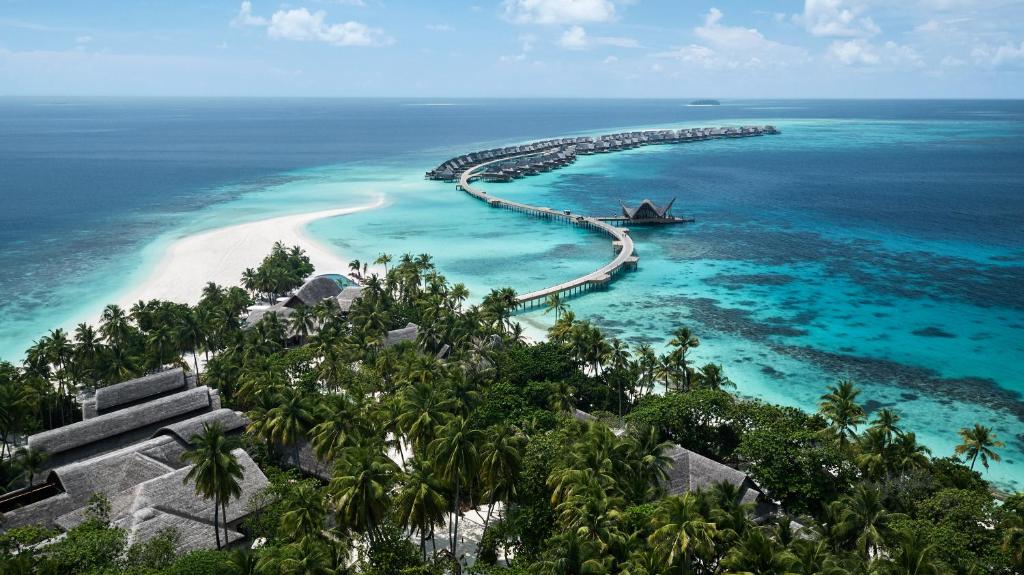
{"x":220,"y":255}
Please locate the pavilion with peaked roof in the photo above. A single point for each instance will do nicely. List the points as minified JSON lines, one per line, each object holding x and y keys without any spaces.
{"x":646,"y":212}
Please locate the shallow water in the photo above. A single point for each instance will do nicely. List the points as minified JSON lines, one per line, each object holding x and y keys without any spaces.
{"x":879,"y":241}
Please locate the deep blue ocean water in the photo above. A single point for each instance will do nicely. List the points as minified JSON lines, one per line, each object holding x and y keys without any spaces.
{"x":877,"y":240}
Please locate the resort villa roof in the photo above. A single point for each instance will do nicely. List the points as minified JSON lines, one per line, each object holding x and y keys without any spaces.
{"x":128,"y":393}
{"x":397,"y":336}
{"x":347,"y":297}
{"x":113,"y":430}
{"x":143,"y":483}
{"x":314,"y":291}
{"x":648,"y":210}
{"x":692,"y":471}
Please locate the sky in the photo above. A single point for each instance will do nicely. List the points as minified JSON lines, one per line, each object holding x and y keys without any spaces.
{"x":514,"y":48}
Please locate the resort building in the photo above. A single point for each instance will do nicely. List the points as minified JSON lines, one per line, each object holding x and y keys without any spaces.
{"x":692,"y":471}
{"x":129,"y":448}
{"x":649,"y":212}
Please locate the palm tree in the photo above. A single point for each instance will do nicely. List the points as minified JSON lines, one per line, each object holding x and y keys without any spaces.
{"x":499,"y":464}
{"x":304,"y":512}
{"x":290,"y":421}
{"x":683,"y":340}
{"x":191,"y":334}
{"x":647,"y":365}
{"x":711,"y":376}
{"x":455,"y":452}
{"x":424,"y":407}
{"x":569,"y":553}
{"x":979,"y":442}
{"x":301,"y":323}
{"x":758,"y":553}
{"x":554,"y":303}
{"x":839,"y":406}
{"x":421,"y":503}
{"x":914,"y":554}
{"x":360,"y":488}
{"x":560,"y":398}
{"x":862,"y":516}
{"x":215,"y":471}
{"x":887,"y":420}
{"x":30,"y":461}
{"x":681,"y":533}
{"x":383,"y":260}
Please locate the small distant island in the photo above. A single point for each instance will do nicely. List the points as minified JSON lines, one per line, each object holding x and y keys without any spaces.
{"x":705,"y":103}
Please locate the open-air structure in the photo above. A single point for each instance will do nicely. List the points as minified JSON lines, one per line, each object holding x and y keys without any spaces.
{"x":646,"y":213}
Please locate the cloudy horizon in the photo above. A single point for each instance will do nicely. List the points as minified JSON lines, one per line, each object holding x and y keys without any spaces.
{"x":516,"y":48}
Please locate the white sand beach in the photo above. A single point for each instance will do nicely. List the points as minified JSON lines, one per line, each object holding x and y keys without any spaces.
{"x":221,"y":255}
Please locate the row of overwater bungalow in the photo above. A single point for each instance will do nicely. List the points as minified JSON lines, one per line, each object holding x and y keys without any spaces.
{"x":524,"y":159}
{"x":514,"y":168}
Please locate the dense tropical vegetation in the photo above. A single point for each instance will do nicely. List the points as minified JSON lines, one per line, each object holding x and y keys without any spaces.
{"x":470,"y":425}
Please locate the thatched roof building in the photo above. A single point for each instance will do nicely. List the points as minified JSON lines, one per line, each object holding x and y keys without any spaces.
{"x":648,"y":210}
{"x":314,"y":291}
{"x":143,"y":483}
{"x":692,"y":471}
{"x":114,"y":430}
{"x":397,"y":336}
{"x":347,"y":297}
{"x":135,"y":391}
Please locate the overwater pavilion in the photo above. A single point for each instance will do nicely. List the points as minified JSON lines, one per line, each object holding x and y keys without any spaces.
{"x":646,"y":213}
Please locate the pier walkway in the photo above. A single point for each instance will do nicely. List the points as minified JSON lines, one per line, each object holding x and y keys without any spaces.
{"x":518,"y":161}
{"x":625,"y":256}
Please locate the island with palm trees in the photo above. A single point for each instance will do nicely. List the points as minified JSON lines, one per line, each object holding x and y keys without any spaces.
{"x":392,"y":426}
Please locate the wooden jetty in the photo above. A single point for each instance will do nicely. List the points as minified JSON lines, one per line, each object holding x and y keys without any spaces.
{"x":625,"y":256}
{"x":506,"y":164}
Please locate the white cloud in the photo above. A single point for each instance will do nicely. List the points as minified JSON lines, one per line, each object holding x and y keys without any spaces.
{"x":526,"y":42}
{"x":576,"y":38}
{"x":929,"y":26}
{"x":860,"y":52}
{"x":558,"y":11}
{"x":610,"y":60}
{"x":83,"y":40}
{"x":837,"y":19}
{"x":731,"y":47}
{"x":997,"y":56}
{"x":301,"y":25}
{"x":440,"y":28}
{"x":245,"y":17}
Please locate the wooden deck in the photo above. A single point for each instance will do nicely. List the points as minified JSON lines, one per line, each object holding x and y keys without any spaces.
{"x":622,"y":244}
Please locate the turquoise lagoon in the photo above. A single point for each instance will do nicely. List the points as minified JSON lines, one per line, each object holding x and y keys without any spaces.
{"x":876,"y":241}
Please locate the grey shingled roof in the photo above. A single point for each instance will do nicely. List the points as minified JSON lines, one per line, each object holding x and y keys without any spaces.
{"x":186,"y":430}
{"x":108,"y":426}
{"x":111,"y":397}
{"x":347,"y":297}
{"x":692,"y":471}
{"x":256,"y":315}
{"x":147,"y":507}
{"x":314,"y":291}
{"x":397,"y":336}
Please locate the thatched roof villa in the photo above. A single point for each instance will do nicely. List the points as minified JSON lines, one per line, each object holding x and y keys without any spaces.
{"x":129,"y":449}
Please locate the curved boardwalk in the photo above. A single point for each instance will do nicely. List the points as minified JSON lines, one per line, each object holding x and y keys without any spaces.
{"x":549,"y":154}
{"x":625,"y":258}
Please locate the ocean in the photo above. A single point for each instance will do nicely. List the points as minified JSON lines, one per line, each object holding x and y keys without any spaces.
{"x":881,"y":241}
